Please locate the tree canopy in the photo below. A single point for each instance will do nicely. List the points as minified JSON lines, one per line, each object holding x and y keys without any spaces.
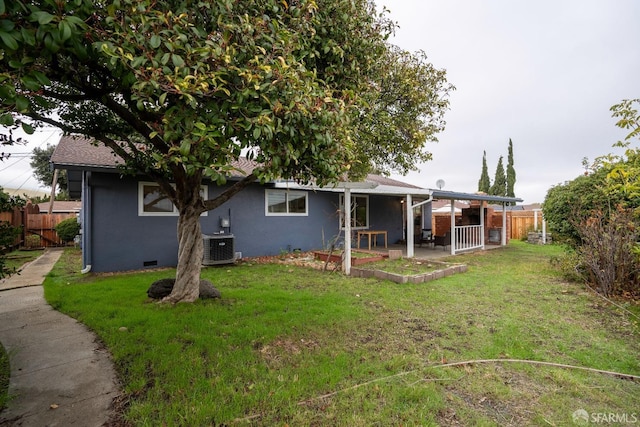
{"x":41,"y":165}
{"x":511,"y":172}
{"x":484,"y":183}
{"x":611,"y":182}
{"x":310,"y":90}
{"x":499,"y":186}
{"x":598,"y":214}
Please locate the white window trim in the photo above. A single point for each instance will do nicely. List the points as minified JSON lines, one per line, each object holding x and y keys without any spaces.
{"x":341,"y":219}
{"x":287,"y":192}
{"x":174,"y":212}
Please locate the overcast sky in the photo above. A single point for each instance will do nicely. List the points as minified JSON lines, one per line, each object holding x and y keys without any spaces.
{"x":543,"y":73}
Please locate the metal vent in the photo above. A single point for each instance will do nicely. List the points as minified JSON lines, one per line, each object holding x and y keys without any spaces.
{"x":218,"y":249}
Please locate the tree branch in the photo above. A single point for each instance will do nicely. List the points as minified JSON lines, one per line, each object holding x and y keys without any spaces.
{"x":141,"y":127}
{"x":230,"y":192}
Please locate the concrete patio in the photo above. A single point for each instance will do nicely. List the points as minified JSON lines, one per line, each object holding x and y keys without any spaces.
{"x":425,"y":251}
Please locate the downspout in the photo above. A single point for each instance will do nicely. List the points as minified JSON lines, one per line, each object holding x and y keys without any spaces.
{"x":86,"y":223}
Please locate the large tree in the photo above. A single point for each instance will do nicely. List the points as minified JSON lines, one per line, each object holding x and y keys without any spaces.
{"x":41,"y":165}
{"x":179,"y":89}
{"x":484,"y":183}
{"x":499,"y":186}
{"x":511,"y":172}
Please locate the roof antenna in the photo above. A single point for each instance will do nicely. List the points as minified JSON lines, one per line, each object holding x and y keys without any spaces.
{"x":440,"y":184}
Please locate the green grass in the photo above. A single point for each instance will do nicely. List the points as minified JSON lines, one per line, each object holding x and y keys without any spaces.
{"x":5,"y":375}
{"x":404,"y":266}
{"x":16,"y":259}
{"x":284,"y":336}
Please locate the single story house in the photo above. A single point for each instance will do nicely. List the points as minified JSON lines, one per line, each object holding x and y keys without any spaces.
{"x":127,"y":225}
{"x":60,"y":206}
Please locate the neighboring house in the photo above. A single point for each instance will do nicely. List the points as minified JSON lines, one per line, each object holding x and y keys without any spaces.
{"x":60,"y":206}
{"x":128,"y":225}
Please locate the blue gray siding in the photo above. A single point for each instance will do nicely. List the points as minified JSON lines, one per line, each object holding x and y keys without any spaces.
{"x":118,"y":239}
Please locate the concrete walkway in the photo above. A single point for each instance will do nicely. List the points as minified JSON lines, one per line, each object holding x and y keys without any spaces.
{"x":60,"y":375}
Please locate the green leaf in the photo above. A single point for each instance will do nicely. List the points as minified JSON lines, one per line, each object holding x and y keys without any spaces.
{"x":137,"y":61}
{"x":42,"y":78}
{"x":65,"y":31}
{"x":185,"y":147}
{"x":22,"y":103}
{"x":6,"y":119}
{"x":28,"y":36}
{"x":42,"y":17}
{"x":256,"y":133}
{"x":31,"y":83}
{"x":27,"y":128}
{"x":2,"y":8}
{"x":6,"y":25}
{"x":9,"y":41}
{"x":155,"y":41}
{"x":177,"y":60}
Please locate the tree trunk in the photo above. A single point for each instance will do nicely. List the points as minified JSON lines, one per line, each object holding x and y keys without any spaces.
{"x":190,"y":249}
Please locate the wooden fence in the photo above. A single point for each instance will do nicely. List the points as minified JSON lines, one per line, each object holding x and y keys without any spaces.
{"x":38,"y":229}
{"x":519,"y":222}
{"x":522,"y":222}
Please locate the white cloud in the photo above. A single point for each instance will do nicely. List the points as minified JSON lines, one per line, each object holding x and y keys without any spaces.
{"x":542,"y":73}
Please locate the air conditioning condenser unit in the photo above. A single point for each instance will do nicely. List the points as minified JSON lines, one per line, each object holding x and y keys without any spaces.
{"x":218,"y":249}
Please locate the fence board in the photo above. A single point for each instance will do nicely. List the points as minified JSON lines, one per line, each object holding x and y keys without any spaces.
{"x":521,"y":225}
{"x":43,"y":225}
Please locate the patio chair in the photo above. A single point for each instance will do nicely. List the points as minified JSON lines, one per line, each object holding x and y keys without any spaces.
{"x":424,"y":236}
{"x":443,"y":241}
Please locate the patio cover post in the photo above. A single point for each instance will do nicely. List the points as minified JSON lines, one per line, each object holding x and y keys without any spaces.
{"x":410,"y":226}
{"x":504,"y":225}
{"x":346,"y":263}
{"x":453,"y":227}
{"x":482,"y":225}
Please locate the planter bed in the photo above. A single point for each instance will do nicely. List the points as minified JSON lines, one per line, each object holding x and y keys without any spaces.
{"x":358,"y":257}
{"x":440,"y":269}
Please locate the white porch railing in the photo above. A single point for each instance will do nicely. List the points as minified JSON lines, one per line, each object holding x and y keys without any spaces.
{"x":468,"y":237}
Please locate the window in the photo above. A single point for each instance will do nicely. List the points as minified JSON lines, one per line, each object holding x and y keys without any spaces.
{"x":359,"y":211}
{"x":153,"y":202}
{"x":285,"y":203}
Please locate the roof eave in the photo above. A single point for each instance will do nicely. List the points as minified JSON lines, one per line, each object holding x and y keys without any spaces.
{"x":452,"y":195}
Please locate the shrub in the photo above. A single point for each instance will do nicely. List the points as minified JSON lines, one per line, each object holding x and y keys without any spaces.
{"x":609,"y":251}
{"x":68,"y":229}
{"x":33,"y":241}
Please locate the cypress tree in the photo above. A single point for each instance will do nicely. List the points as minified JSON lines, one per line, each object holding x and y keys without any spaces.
{"x":511,"y":173}
{"x":499,"y":187}
{"x":484,"y":184}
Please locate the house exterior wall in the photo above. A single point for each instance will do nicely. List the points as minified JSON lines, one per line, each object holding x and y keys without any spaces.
{"x":118,"y":239}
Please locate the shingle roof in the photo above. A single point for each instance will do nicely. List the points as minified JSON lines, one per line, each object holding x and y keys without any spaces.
{"x":74,"y":150}
{"x":80,"y":152}
{"x":383,"y":180}
{"x":61,"y":206}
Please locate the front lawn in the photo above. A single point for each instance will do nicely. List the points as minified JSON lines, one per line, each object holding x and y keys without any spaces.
{"x":289,"y":345}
